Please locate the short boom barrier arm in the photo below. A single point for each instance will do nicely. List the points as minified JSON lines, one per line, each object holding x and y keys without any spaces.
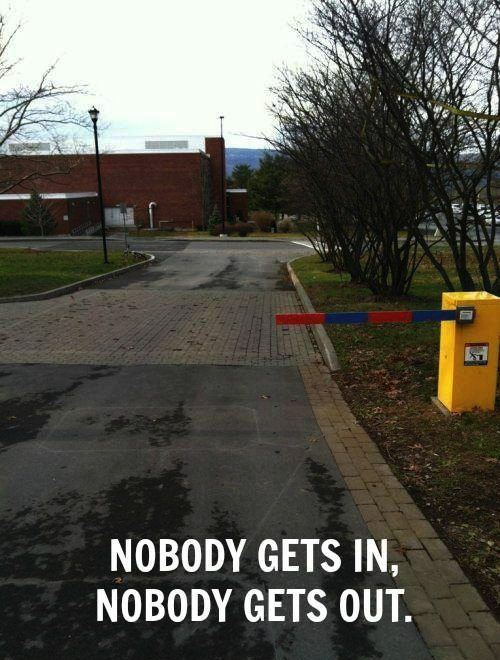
{"x":469,"y":348}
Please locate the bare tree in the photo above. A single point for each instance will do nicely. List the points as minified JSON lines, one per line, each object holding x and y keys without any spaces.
{"x":360,"y":204}
{"x":430,"y":69}
{"x":32,"y":122}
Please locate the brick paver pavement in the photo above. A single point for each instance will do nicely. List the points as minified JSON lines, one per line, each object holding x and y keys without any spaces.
{"x":144,"y":326}
{"x":452,"y":617}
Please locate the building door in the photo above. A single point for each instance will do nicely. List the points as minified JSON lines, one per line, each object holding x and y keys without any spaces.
{"x":114,"y":217}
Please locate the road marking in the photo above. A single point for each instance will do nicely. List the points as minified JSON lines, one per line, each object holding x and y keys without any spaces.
{"x":308,"y":245}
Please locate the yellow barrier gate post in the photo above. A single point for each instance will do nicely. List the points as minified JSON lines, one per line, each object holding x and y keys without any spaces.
{"x":468,"y":356}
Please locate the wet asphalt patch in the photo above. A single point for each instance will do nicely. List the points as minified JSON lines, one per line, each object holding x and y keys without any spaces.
{"x":224,"y":279}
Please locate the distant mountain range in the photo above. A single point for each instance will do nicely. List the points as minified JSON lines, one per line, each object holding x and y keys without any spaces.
{"x":251,"y":157}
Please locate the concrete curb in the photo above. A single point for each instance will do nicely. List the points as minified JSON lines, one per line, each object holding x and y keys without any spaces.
{"x":322,"y":339}
{"x":81,"y":284}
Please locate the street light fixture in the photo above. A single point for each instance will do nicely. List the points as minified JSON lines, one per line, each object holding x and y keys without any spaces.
{"x":222,"y":175}
{"x":94,"y":114}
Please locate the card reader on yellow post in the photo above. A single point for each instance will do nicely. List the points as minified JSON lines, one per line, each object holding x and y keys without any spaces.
{"x":468,"y":357}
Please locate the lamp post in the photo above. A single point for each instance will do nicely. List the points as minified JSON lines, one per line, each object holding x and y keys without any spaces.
{"x":94,"y":114}
{"x":222,"y":175}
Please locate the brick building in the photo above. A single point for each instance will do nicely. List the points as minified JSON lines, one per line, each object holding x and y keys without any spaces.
{"x":162,"y":187}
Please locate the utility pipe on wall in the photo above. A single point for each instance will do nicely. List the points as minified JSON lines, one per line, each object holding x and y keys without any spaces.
{"x":152,"y":206}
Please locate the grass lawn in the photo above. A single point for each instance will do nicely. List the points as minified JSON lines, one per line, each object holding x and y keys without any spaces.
{"x":451,"y":465}
{"x":24,"y":271}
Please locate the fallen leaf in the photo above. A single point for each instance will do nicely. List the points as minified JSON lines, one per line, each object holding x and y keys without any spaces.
{"x":400,"y":548}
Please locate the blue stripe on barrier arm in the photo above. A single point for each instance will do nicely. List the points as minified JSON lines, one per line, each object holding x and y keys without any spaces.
{"x":434,"y":315}
{"x":346,"y":317}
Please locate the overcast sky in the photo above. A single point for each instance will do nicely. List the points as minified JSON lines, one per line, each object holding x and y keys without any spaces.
{"x":165,"y":67}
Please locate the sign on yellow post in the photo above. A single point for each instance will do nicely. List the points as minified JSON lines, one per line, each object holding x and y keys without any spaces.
{"x":468,"y":357}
